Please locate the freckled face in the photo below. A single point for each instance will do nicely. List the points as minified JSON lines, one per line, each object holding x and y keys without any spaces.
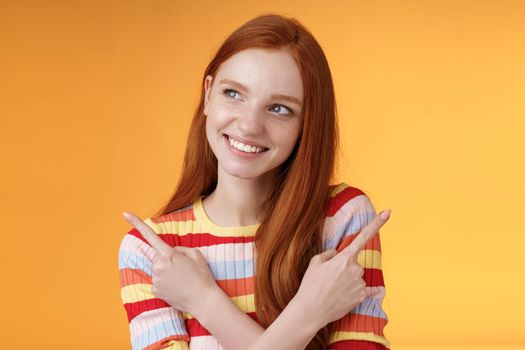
{"x":256,"y":99}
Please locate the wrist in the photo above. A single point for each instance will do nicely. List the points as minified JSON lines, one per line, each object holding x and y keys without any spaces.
{"x":311,"y":318}
{"x":285,"y":331}
{"x":208,"y":303}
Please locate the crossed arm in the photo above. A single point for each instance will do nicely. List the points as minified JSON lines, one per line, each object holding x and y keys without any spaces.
{"x":283,"y":333}
{"x":329,"y":274}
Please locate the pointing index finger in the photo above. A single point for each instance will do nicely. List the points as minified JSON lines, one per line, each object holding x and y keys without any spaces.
{"x":362,"y":238}
{"x":149,"y":235}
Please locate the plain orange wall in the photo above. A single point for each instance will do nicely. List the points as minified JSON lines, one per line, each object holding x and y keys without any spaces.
{"x":96,"y":99}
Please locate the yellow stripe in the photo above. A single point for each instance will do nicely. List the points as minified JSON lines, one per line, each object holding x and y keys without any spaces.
{"x":201,"y":224}
{"x":136,"y":292}
{"x":246,"y":303}
{"x":369,"y":258}
{"x":177,"y":345}
{"x":338,"y":336}
{"x":206,"y":225}
{"x":155,"y":227}
{"x":338,"y":189}
{"x":182,"y":228}
{"x":175,"y":227}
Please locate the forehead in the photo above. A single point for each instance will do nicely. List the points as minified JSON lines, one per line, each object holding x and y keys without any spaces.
{"x":264,"y":70}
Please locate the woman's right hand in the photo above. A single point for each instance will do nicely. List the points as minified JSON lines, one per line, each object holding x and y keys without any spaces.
{"x":180,"y":275}
{"x":332,"y":284}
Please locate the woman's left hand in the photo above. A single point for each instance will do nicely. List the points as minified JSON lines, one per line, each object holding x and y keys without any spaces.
{"x":180,"y":275}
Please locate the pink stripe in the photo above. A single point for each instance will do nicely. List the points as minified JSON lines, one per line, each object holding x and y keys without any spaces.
{"x":149,"y":319}
{"x":353,"y":207}
{"x":137,"y":246}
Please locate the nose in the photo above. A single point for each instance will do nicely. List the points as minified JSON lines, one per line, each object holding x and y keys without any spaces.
{"x":250,"y":122}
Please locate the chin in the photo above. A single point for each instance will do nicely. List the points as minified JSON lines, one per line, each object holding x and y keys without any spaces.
{"x":247,"y":175}
{"x":243,"y":172}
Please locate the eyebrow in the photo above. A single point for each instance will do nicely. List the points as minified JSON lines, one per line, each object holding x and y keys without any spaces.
{"x":275,"y":96}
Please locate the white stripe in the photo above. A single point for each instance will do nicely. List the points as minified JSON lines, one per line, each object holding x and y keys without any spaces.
{"x":204,"y":342}
{"x":135,"y":245}
{"x":228,"y":252}
{"x":149,"y":319}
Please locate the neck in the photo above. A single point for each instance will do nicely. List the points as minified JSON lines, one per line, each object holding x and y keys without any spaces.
{"x":237,"y":201}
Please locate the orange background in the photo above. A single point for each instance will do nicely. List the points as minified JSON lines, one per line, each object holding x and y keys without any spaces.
{"x":96,"y":99}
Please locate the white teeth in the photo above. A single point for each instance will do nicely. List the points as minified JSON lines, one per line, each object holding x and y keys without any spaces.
{"x":245,"y":148}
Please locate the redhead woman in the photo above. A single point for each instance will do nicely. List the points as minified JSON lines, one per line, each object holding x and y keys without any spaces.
{"x":257,"y":249}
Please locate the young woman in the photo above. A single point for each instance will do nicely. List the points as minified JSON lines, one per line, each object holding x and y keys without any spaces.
{"x":256,"y":249}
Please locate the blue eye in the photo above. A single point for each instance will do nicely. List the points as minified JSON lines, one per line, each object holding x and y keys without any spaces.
{"x":231,"y":93}
{"x":290,"y":112}
{"x":227,"y":92}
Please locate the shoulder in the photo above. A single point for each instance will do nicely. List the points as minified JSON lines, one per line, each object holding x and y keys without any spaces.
{"x":170,"y":223}
{"x":349,"y":209}
{"x":346,"y":198}
{"x":167,"y":226}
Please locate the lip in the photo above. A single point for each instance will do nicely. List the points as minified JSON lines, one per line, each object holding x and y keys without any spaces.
{"x":246,"y":142}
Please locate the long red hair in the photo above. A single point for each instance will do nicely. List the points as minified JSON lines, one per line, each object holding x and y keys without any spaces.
{"x":291,"y":232}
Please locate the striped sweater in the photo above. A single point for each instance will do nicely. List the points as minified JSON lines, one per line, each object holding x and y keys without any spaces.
{"x":154,"y":324}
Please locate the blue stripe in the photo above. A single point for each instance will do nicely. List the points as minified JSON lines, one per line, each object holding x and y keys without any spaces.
{"x":158,"y":332}
{"x":353,"y":225}
{"x":370,"y":307}
{"x":229,"y":270}
{"x":131,"y":260}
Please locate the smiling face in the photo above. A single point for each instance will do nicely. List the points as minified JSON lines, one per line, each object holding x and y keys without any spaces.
{"x":254,"y":100}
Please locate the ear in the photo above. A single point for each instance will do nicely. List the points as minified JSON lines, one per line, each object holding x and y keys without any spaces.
{"x":207,"y":88}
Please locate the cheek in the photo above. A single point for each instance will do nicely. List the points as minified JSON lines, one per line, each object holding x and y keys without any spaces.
{"x":288,"y":137}
{"x":218,"y":116}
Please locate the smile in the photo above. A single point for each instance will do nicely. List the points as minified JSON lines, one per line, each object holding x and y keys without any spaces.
{"x":239,"y":148}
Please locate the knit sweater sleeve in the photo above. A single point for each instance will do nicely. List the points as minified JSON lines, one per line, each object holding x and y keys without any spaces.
{"x":349,"y":211}
{"x":153,"y":323}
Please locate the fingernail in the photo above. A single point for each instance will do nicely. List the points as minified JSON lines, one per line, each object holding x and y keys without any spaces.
{"x":126,"y":215}
{"x":385,"y":214}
